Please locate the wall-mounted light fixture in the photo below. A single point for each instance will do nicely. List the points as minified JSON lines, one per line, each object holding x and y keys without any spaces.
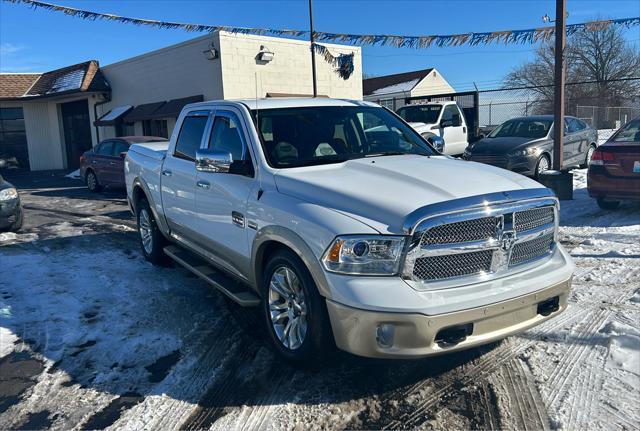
{"x":265,"y":55}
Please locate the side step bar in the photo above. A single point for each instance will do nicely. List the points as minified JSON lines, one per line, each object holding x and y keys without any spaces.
{"x":230,"y":287}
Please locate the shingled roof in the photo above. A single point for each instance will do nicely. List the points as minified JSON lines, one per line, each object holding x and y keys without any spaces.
{"x":16,"y":84}
{"x":79,"y":77}
{"x":396,"y":81}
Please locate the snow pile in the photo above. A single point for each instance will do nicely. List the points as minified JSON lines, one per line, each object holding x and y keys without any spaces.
{"x":75,"y":175}
{"x":397,"y":88}
{"x":624,"y":349}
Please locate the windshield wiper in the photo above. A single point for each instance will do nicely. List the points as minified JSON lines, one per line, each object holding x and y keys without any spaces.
{"x":392,"y":153}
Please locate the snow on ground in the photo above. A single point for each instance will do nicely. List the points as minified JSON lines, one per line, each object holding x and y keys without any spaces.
{"x":106,"y":339}
{"x":75,"y":175}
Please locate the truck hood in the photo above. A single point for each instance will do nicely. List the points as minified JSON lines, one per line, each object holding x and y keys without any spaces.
{"x":422,"y":127}
{"x":382,"y":191}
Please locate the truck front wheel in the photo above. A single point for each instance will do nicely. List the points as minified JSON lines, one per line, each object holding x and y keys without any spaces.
{"x":151,"y":240}
{"x":295,"y":313}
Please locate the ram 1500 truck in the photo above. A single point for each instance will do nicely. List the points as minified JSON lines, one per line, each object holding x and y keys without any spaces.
{"x":347,"y":228}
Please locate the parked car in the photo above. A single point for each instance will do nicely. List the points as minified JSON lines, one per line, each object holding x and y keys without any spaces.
{"x":11,"y":213}
{"x":346,"y":235}
{"x":103,"y":165}
{"x":614,"y":171}
{"x":444,"y":119}
{"x":525,"y":145}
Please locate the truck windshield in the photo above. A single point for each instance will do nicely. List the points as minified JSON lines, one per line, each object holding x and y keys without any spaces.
{"x":420,"y":113}
{"x":522,"y":128}
{"x":306,"y":136}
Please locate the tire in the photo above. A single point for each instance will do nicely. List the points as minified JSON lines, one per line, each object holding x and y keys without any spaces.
{"x":542,"y":165}
{"x":91,"y":179}
{"x":587,"y":157}
{"x":152,"y":242}
{"x":608,"y":205}
{"x":307,"y":341}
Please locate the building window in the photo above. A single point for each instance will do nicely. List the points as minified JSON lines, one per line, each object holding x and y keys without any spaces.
{"x":155,"y":128}
{"x":13,"y":140}
{"x":125,"y":129}
{"x":387,"y":103}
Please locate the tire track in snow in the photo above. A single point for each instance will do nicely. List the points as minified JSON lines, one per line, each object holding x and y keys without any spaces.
{"x":485,"y":365}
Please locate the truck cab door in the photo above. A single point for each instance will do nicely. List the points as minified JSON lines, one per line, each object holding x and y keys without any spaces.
{"x":178,"y":176}
{"x":221,"y":197}
{"x":453,"y":130}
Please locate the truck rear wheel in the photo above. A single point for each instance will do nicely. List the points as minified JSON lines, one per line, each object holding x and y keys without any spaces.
{"x":152,"y":242}
{"x":295,"y":313}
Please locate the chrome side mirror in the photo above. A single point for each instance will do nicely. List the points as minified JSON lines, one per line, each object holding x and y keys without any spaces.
{"x":213,"y":161}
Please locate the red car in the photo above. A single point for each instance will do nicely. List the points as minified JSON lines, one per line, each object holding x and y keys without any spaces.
{"x":614,"y":171}
{"x":103,"y":165}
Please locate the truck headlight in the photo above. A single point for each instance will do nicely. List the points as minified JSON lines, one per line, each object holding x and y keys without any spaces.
{"x":8,"y":194}
{"x":365,"y":254}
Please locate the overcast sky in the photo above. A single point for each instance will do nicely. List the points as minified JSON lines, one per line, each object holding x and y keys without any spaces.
{"x":37,"y":41}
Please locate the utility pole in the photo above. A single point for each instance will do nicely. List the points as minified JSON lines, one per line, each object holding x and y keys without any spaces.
{"x":559,"y":75}
{"x":313,"y":53}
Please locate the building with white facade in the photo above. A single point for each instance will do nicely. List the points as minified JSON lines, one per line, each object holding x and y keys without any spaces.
{"x":143,"y":95}
{"x":389,"y":90}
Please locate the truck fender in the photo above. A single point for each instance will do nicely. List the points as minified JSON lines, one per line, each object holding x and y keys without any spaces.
{"x":139,"y":185}
{"x":288,"y":238}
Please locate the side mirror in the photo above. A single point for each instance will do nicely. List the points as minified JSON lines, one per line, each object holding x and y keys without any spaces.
{"x":123,"y":154}
{"x":213,"y":161}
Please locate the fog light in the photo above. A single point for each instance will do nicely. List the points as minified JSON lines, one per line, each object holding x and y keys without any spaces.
{"x":384,"y":335}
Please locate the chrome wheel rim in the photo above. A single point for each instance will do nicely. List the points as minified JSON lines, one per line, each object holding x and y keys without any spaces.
{"x":91,"y":180}
{"x":145,"y":231}
{"x":543,"y":165}
{"x":287,"y":308}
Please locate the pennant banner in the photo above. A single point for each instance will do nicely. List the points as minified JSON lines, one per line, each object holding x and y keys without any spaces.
{"x":504,"y":37}
{"x":343,"y":62}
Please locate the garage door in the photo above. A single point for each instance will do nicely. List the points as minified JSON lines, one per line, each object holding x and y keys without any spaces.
{"x":13,"y":140}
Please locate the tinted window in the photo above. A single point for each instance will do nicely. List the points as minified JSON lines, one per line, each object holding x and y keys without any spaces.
{"x":451,"y":113}
{"x":522,"y":128}
{"x":104,"y":149}
{"x":420,"y":113}
{"x":225,"y":136}
{"x":574,"y":125}
{"x":629,"y":133}
{"x":331,"y":134}
{"x":119,"y":147}
{"x":190,"y":137}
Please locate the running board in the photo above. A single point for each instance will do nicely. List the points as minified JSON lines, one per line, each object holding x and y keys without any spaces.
{"x":227,"y":285}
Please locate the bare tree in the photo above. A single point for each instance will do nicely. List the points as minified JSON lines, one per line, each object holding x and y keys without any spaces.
{"x":600,"y":55}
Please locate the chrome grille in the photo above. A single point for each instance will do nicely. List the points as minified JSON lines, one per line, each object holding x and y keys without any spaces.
{"x":463,"y":231}
{"x":499,"y":161}
{"x":453,"y":265}
{"x":482,"y":240}
{"x":533,"y":218}
{"x":526,"y":251}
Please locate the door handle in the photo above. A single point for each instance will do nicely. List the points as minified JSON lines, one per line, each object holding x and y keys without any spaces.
{"x":167,"y":173}
{"x":112,"y":163}
{"x":93,"y":162}
{"x":203,"y":184}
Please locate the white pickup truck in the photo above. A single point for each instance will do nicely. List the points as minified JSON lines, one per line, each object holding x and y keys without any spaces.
{"x":347,"y":228}
{"x":444,"y":119}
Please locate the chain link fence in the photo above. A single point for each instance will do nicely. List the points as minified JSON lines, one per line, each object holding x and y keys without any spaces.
{"x":602,"y":104}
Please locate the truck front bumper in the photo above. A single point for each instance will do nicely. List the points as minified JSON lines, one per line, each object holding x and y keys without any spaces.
{"x":398,"y":335}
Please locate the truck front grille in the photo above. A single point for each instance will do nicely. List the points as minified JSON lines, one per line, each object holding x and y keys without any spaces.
{"x":454,"y":265}
{"x":467,"y":245}
{"x":530,"y":250}
{"x":533,"y":218}
{"x":462,"y":231}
